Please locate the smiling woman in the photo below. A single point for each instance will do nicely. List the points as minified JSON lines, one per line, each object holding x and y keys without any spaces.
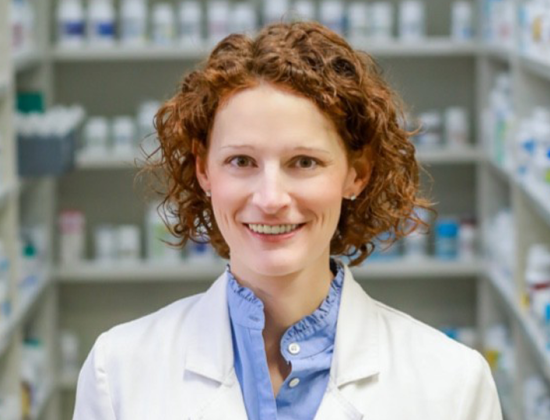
{"x":287,"y":150}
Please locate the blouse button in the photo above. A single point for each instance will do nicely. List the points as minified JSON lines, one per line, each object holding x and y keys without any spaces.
{"x":294,"y":348}
{"x":293,"y":382}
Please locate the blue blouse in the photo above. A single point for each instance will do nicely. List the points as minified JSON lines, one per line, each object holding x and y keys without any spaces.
{"x":307,"y":345}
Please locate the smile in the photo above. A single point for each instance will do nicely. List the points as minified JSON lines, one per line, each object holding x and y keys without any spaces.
{"x":274,"y":230}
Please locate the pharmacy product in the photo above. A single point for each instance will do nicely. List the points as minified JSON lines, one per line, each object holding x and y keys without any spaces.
{"x":332,"y":15}
{"x":128,"y":244}
{"x":190,"y":16}
{"x":106,"y":244}
{"x":101,"y":23}
{"x":147,"y":139}
{"x":303,"y":10}
{"x":124,"y":135}
{"x":10,"y":407}
{"x":133,"y":22}
{"x":446,"y":239}
{"x":541,"y":136}
{"x":412,"y":25}
{"x":462,"y":25}
{"x":72,"y":226}
{"x":69,"y":350}
{"x":524,"y":150}
{"x":218,"y":20}
{"x":537,"y":279}
{"x":243,"y":18}
{"x":358,"y":21}
{"x":467,"y":240}
{"x":415,"y":244}
{"x":96,"y":136}
{"x":70,"y":23}
{"x":457,"y":127}
{"x":381,"y":20}
{"x":163,"y":24}
{"x":274,"y":11}
{"x":156,"y":232}
{"x":431,"y":130}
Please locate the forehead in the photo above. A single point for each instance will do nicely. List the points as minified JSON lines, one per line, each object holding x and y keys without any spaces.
{"x":270,"y":116}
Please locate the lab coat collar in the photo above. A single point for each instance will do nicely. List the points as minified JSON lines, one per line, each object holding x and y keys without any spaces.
{"x":356,"y":353}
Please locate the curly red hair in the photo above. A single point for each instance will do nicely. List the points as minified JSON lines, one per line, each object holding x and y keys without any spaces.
{"x":345,"y":84}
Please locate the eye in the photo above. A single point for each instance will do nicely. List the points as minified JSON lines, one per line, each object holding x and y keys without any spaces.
{"x":239,"y":161}
{"x":306,"y":162}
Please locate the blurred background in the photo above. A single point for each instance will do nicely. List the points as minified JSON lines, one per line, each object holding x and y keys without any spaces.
{"x":81,"y":242}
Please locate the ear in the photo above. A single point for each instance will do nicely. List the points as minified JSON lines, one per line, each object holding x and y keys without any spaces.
{"x":201,"y":167}
{"x":359,"y":173}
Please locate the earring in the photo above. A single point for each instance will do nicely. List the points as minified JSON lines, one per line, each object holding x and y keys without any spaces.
{"x":352,"y":198}
{"x":208,"y":193}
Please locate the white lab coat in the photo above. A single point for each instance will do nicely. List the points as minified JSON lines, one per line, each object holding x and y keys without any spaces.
{"x":177,"y":364}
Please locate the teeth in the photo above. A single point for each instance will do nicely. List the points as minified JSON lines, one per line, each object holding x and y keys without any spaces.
{"x":272,"y":230}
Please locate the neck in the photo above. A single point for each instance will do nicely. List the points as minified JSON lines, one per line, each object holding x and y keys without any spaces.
{"x":287,"y":298}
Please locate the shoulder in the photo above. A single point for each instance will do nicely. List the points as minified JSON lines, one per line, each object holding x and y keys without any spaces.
{"x":163,"y":328}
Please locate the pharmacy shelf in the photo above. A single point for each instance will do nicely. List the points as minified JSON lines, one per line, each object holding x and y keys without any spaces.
{"x":7,"y":191}
{"x":536,"y":66}
{"x":22,"y":311}
{"x":112,"y":161}
{"x":497,"y":52}
{"x":26,"y":59}
{"x":4,"y":87}
{"x":450,"y":156}
{"x":430,"y":47}
{"x":207,"y":272}
{"x":122,"y":53}
{"x":539,"y":199}
{"x":48,"y":393}
{"x":439,"y":47}
{"x":505,"y":288}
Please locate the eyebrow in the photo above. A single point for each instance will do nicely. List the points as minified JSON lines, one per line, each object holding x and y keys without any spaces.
{"x":299,"y":148}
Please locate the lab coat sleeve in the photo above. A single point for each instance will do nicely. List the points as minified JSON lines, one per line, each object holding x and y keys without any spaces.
{"x":480,"y":401}
{"x":93,"y":401}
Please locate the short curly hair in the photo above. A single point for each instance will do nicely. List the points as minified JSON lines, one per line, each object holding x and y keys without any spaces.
{"x":345,"y":84}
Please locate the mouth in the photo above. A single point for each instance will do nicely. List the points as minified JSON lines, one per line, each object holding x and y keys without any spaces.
{"x":274,"y":231}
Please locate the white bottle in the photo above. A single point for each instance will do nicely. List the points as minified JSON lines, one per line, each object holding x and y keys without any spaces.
{"x":190,"y":16}
{"x":133,"y":22}
{"x":381,"y":20}
{"x":537,"y":279}
{"x":303,"y":10}
{"x":69,"y":351}
{"x":72,"y":236}
{"x":70,"y":23}
{"x":105,"y":241}
{"x":358,"y":21}
{"x":96,"y":136}
{"x":412,"y":20}
{"x":101,"y":23}
{"x":156,"y":232}
{"x":332,"y":15}
{"x":457,"y":127}
{"x":164,"y":28}
{"x":274,"y":11}
{"x":467,"y":241}
{"x":128,"y":239}
{"x":431,"y":132}
{"x":462,"y":28}
{"x":218,"y":21}
{"x":124,"y":135}
{"x":243,"y":18}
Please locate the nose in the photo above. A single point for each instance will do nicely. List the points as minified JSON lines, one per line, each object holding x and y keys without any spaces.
{"x":271,"y":192}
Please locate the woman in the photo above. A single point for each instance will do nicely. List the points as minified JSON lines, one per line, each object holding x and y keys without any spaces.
{"x":285,"y":149}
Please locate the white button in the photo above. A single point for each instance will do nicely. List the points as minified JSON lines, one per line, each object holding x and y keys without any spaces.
{"x":294,"y":348}
{"x":293,"y":382}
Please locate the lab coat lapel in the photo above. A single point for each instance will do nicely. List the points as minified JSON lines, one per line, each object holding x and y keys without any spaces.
{"x":209,"y":360}
{"x":356,"y":351}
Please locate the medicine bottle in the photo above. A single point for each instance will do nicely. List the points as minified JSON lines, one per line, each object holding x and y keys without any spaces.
{"x":358,"y":21}
{"x":446,"y":239}
{"x":274,"y":11}
{"x":190,"y":16}
{"x":412,"y":21}
{"x":303,"y":10}
{"x":381,"y":20}
{"x":332,"y":15}
{"x":124,"y":135}
{"x":133,"y":22}
{"x":70,"y":23}
{"x":243,"y":18}
{"x":218,"y":20}
{"x":457,"y":127}
{"x":163,"y":24}
{"x":462,"y":21}
{"x":101,"y":23}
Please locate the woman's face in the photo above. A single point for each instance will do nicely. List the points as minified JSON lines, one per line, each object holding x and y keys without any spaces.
{"x":274,"y":160}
